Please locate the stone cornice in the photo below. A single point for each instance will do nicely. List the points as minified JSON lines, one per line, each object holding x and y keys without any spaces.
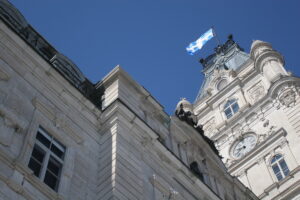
{"x":280,"y":185}
{"x":119,"y":74}
{"x":256,"y":108}
{"x":236,"y":83}
{"x":119,"y":108}
{"x":217,"y":95}
{"x":184,"y":126}
{"x":273,"y":90}
{"x":34,"y":63}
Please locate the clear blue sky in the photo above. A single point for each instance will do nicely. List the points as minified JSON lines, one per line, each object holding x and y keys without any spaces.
{"x":148,"y":38}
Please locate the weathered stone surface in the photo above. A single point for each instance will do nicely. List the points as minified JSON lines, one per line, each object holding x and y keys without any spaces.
{"x":268,"y":100}
{"x":119,"y":143}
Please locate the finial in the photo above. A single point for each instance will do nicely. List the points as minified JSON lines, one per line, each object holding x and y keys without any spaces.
{"x":203,"y":62}
{"x":219,"y":49}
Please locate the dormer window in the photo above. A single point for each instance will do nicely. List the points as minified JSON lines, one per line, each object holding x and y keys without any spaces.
{"x":230,"y":108}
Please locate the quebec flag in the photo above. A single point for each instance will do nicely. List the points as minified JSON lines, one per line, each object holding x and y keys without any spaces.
{"x":198,"y":44}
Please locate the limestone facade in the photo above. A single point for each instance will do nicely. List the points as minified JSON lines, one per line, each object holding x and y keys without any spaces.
{"x":63,"y":137}
{"x":253,"y":118}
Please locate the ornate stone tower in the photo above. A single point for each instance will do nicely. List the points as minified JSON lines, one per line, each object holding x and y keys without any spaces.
{"x":249,"y":106}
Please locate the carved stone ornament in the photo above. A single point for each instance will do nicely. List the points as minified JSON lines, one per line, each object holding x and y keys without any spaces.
{"x":256,"y":92}
{"x":190,"y":119}
{"x":287,"y":97}
{"x":60,"y":120}
{"x":241,"y":173}
{"x":261,"y":137}
{"x":219,"y":75}
{"x":209,"y":127}
{"x":230,"y":162}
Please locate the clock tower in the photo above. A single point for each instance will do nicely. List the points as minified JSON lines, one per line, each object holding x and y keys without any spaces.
{"x":249,"y":106}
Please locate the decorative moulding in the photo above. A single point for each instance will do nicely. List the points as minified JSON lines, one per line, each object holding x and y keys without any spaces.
{"x":262,"y":149}
{"x":60,"y":120}
{"x":44,"y":107}
{"x":12,"y":120}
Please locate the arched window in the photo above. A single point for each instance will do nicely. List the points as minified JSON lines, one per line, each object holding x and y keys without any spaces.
{"x":279,"y":167}
{"x":231,"y":107}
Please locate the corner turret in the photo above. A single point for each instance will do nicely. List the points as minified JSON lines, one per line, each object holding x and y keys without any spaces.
{"x":268,"y":61}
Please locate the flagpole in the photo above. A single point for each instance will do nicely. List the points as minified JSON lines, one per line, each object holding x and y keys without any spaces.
{"x":215,"y":34}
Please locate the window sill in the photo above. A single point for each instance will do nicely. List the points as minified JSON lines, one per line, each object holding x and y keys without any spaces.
{"x":37,"y":183}
{"x":278,"y":184}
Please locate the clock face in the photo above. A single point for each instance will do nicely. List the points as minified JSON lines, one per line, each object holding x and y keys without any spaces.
{"x":243,"y":146}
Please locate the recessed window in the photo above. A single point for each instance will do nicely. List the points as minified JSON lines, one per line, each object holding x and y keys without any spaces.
{"x":279,"y":167}
{"x":195,"y":168}
{"x":231,"y":107}
{"x":46,"y":159}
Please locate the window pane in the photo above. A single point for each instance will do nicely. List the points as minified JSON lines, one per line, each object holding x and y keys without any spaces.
{"x":57,"y":151}
{"x":38,"y":154}
{"x":227,"y":105}
{"x":275,"y":158}
{"x":231,"y":101}
{"x":275,"y":168}
{"x":277,"y":171}
{"x":235,"y":107}
{"x":228,"y":113}
{"x":51,"y":180}
{"x":35,"y":167}
{"x":286,"y":171}
{"x":284,"y":167}
{"x":54,"y":166}
{"x":279,"y":176}
{"x":36,"y":160}
{"x":59,"y":145}
{"x":45,"y":141}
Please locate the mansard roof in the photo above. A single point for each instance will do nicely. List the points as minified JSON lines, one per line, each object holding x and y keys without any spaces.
{"x":17,"y":22}
{"x":229,"y":56}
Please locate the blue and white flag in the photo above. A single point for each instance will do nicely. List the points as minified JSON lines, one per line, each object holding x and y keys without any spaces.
{"x":198,"y":44}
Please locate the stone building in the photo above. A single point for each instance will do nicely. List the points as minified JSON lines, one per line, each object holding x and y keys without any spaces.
{"x":63,"y":137}
{"x":249,"y":106}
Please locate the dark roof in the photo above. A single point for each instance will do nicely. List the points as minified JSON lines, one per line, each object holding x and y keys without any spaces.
{"x":69,"y":70}
{"x":229,"y":56}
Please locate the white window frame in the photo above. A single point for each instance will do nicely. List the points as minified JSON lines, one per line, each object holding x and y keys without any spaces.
{"x":277,"y":163}
{"x":48,"y":154}
{"x":230,"y":107}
